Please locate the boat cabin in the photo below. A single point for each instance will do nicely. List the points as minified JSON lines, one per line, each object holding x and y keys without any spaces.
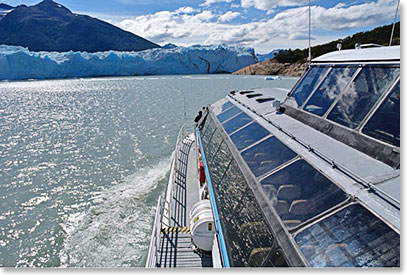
{"x":311,"y":176}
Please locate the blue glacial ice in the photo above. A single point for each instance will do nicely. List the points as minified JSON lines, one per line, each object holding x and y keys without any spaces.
{"x":19,"y":63}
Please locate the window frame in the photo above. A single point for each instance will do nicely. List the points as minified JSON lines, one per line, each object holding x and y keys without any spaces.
{"x":327,"y":215}
{"x":355,"y":74}
{"x":303,"y":77}
{"x":359,"y":128}
{"x":377,"y":106}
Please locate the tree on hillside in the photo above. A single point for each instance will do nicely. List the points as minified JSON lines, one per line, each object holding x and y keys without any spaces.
{"x":380,"y":35}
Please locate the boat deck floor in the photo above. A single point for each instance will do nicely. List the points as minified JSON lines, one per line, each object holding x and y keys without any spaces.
{"x":175,"y":245}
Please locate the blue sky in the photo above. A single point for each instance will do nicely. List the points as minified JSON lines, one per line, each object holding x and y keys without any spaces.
{"x":262,"y":24}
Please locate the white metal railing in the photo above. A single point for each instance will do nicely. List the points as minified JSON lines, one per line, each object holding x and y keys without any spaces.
{"x":163,"y":212}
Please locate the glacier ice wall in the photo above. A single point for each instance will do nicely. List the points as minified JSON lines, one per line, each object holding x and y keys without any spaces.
{"x":19,"y":63}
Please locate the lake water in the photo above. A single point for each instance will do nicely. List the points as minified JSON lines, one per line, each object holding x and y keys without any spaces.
{"x":83,"y":161}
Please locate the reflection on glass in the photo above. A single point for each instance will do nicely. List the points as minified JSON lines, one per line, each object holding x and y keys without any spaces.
{"x":267,"y":155}
{"x":219,"y":164}
{"x":248,"y":135}
{"x":308,"y":83}
{"x":236,"y":122}
{"x":327,"y":92}
{"x":212,"y":147}
{"x":207,"y":131}
{"x":228,"y":114}
{"x":277,"y":260}
{"x":385,"y":122}
{"x":362,"y":94}
{"x":226,"y":105}
{"x":230,"y":188}
{"x":248,"y":235}
{"x":350,"y":237}
{"x":219,"y":109}
{"x":299,"y":192}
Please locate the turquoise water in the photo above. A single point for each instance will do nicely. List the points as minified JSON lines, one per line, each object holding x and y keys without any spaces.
{"x":83,"y":161}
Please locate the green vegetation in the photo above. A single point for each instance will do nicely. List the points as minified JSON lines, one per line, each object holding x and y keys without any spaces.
{"x":380,"y":35}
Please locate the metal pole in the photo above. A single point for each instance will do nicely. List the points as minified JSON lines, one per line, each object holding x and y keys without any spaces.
{"x":309,"y":31}
{"x":394,"y":22}
{"x":185,"y":109}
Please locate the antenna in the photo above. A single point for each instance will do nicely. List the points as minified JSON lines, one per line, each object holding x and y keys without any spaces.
{"x":185,"y":109}
{"x":394,"y":22}
{"x":309,"y":31}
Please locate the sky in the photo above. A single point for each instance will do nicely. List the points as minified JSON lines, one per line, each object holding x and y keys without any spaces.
{"x":264,"y":25}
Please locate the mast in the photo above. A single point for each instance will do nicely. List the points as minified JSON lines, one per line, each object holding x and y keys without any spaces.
{"x":394,"y":22}
{"x":309,"y":31}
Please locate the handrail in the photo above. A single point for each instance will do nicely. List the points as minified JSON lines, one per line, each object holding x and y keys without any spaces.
{"x":163,"y":205}
{"x":214,"y":207}
{"x":155,"y":240}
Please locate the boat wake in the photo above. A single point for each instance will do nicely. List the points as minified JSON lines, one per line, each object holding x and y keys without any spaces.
{"x":116,"y":232}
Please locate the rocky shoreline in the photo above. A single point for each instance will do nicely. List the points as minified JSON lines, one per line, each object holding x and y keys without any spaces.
{"x":270,"y":67}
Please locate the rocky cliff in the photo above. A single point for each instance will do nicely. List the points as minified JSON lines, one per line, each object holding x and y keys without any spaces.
{"x":270,"y":67}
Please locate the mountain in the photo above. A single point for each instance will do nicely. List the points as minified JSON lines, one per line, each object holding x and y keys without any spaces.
{"x":293,"y":62}
{"x":270,"y":55}
{"x":19,"y":63}
{"x":270,"y":67}
{"x":5,"y":9}
{"x":379,"y":35}
{"x":169,"y":46}
{"x":49,"y":26}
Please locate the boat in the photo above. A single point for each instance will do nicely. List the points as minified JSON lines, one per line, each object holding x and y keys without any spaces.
{"x":272,"y":77}
{"x":308,"y":177}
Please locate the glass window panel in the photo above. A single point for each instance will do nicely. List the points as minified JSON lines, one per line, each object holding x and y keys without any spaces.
{"x":236,"y":122}
{"x":277,"y":260}
{"x":308,"y":83}
{"x":223,"y":107}
{"x":385,"y":122}
{"x":350,"y":237}
{"x":207,"y":131}
{"x":212,"y":147}
{"x":228,"y":114}
{"x":247,"y":233}
{"x":299,"y":192}
{"x":229,"y":190}
{"x":226,"y":105}
{"x":362,"y":94}
{"x":248,"y":135}
{"x":219,"y":163}
{"x":267,"y":155}
{"x":327,"y":92}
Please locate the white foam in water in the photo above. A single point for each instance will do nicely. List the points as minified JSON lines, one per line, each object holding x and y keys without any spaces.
{"x":116,"y":232}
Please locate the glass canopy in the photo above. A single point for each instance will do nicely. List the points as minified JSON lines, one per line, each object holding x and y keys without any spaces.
{"x":350,"y":237}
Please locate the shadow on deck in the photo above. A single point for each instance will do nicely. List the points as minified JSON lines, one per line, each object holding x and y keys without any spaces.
{"x":176,"y":247}
{"x":177,"y":252}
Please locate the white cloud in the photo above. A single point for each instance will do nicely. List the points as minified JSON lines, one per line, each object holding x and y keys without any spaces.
{"x":299,"y":36}
{"x":185,"y":10}
{"x":271,"y":4}
{"x":228,"y":16}
{"x":204,"y":16}
{"x":206,"y":27}
{"x":211,"y":2}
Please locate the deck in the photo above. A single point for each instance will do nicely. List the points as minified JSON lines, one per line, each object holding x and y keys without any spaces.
{"x":175,"y":242}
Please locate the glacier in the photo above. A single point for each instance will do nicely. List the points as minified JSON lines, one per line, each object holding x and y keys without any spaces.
{"x":18,"y":63}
